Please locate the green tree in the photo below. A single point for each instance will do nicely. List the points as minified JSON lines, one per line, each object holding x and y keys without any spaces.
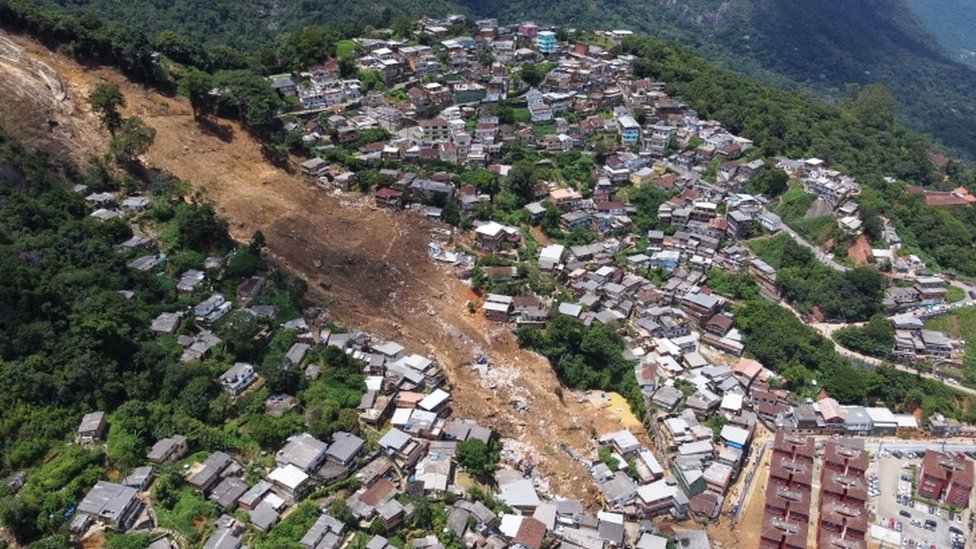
{"x":450,"y":213}
{"x":521,"y":181}
{"x":106,"y":99}
{"x":770,"y":182}
{"x":133,"y":139}
{"x":550,"y":220}
{"x":19,"y":517}
{"x":249,"y":97}
{"x":607,"y":458}
{"x":874,"y":107}
{"x":198,"y":85}
{"x":533,"y":74}
{"x":341,"y":511}
{"x":402,"y":26}
{"x":245,"y":263}
{"x":257,"y":243}
{"x":476,"y":458}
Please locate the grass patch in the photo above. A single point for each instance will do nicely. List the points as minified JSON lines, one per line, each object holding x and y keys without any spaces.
{"x":191,"y":515}
{"x":115,"y":540}
{"x":959,"y":324}
{"x":522,"y":115}
{"x":291,"y":530}
{"x":794,"y":203}
{"x":954,"y":294}
{"x":815,"y":229}
{"x":346,"y":49}
{"x":544,"y":128}
{"x":769,"y":250}
{"x":793,"y":207}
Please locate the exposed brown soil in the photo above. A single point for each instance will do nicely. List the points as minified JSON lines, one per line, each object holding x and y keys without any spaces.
{"x":860,"y":251}
{"x":368,"y":267}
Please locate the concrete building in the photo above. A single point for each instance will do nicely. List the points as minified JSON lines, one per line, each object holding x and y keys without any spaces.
{"x":546,"y":41}
{"x":946,"y":478}
{"x":111,"y":504}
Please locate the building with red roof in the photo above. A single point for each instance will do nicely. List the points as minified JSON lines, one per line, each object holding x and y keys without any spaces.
{"x":946,"y":478}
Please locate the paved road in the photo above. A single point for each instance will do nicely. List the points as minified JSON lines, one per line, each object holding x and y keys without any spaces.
{"x":934,"y":444}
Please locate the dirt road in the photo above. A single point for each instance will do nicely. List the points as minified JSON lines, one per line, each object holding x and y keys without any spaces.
{"x":368,"y":267}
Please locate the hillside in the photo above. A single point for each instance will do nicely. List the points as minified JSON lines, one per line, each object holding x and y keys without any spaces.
{"x":952,"y":24}
{"x":369,"y":269}
{"x":823,"y":46}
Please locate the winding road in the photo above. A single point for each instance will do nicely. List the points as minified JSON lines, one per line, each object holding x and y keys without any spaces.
{"x":827,"y":329}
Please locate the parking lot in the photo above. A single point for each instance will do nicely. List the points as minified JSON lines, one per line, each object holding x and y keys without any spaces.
{"x":890,"y":498}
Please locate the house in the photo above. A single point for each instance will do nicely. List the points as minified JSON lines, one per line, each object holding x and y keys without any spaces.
{"x":565,"y":199}
{"x":401,"y":447}
{"x":521,"y":495}
{"x":574,"y":221}
{"x":250,"y":288}
{"x":140,"y":478}
{"x":166,"y":449}
{"x":292,"y":482}
{"x":111,"y":504}
{"x":390,"y":350}
{"x":536,"y":211}
{"x":666,"y":398}
{"x":770,"y":221}
{"x":135,"y":203}
{"x":344,"y":448}
{"x":296,"y":353}
{"x":944,"y":477}
{"x":436,"y":130}
{"x":493,"y":236}
{"x":662,"y":496}
{"x":303,"y":451}
{"x":217,"y":466}
{"x":497,"y":307}
{"x":630,"y":130}
{"x":391,"y":199}
{"x":227,"y":534}
{"x":238,"y":377}
{"x":315,"y":167}
{"x":701,"y":307}
{"x":227,"y":492}
{"x":531,"y":532}
{"x":735,"y":437}
{"x":265,"y":515}
{"x":623,"y":442}
{"x":326,"y":533}
{"x":212,"y":308}
{"x":545,"y":41}
{"x":92,"y":427}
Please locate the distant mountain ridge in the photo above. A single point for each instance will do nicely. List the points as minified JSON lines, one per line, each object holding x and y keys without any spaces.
{"x":823,"y":45}
{"x":952,"y":23}
{"x":819,"y":45}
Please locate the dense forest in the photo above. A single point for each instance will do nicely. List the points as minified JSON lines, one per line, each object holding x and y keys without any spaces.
{"x":951,"y":22}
